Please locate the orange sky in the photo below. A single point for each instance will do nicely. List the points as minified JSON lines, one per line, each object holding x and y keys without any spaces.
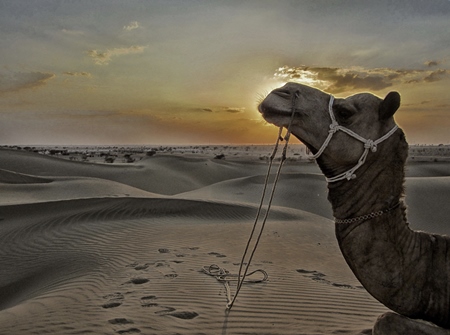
{"x":189,"y":72}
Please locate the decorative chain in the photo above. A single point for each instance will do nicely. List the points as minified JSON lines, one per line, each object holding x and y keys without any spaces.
{"x":366,"y":216}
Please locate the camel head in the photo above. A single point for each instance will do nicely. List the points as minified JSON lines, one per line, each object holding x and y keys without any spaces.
{"x":364,"y":114}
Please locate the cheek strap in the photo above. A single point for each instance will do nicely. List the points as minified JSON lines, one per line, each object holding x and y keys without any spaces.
{"x":368,"y":144}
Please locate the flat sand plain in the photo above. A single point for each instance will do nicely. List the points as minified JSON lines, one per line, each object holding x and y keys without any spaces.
{"x":88,"y":247}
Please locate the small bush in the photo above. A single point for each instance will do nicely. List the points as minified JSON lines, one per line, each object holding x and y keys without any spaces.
{"x":221,"y":156}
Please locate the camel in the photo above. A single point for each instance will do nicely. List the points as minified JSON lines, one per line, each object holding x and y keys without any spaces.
{"x":362,"y":153}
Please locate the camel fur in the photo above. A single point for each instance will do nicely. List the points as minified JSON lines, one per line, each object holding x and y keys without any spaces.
{"x":406,"y":270}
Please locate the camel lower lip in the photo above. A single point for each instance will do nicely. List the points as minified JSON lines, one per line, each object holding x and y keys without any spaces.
{"x":269,"y":112}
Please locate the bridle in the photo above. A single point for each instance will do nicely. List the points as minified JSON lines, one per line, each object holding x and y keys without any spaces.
{"x":368,"y":144}
{"x":349,"y":174}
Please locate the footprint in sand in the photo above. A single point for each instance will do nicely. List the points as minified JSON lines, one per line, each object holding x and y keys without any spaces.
{"x":138,"y":266}
{"x":129,"y":331}
{"x":124,"y":322}
{"x":165,"y":269}
{"x":217,"y":254}
{"x":318,"y":276}
{"x":114,"y":300}
{"x":184,"y":315}
{"x":137,"y":281}
{"x":120,"y":321}
{"x":149,"y":302}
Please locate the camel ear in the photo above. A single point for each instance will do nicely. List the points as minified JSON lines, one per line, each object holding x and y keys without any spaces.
{"x":389,"y":105}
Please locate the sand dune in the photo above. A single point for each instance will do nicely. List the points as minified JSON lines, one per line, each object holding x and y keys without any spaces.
{"x":118,"y":249}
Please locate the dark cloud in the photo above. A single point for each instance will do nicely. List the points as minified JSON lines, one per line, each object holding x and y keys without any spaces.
{"x":338,"y":80}
{"x":436,"y":76}
{"x":16,"y":81}
{"x":350,"y":81}
{"x":199,"y":110}
{"x":218,"y":110}
{"x":431,"y":63}
{"x":77,"y":74}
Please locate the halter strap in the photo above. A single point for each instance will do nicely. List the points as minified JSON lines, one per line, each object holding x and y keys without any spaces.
{"x":368,"y":144}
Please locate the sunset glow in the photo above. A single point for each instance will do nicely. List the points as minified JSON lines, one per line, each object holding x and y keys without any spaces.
{"x":301,"y":76}
{"x":144,"y":72}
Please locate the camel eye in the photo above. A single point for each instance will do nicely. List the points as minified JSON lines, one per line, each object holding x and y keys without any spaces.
{"x":343,"y":114}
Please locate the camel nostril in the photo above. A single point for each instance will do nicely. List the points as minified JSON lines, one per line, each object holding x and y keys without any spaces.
{"x":283,"y":92}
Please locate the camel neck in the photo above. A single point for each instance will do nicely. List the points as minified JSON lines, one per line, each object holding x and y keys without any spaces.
{"x":378,"y":186}
{"x":403,"y":269}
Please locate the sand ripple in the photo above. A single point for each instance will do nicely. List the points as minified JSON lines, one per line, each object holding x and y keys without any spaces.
{"x":97,"y":250}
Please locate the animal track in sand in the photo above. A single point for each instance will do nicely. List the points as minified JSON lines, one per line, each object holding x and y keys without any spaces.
{"x":217,"y":254}
{"x":138,"y":266}
{"x":319,"y":277}
{"x":165,"y":269}
{"x":120,"y":321}
{"x":114,"y":300}
{"x":137,"y":281}
{"x":149,"y":302}
{"x":184,"y":315}
{"x":129,"y":331}
{"x":111,"y":304}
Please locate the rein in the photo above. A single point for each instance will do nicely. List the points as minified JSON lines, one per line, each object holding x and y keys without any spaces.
{"x":368,"y":144}
{"x":241,"y":276}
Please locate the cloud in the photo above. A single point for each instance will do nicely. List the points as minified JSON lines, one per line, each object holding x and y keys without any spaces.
{"x":104,"y":57}
{"x":131,"y":26}
{"x":234,"y":109}
{"x":431,"y":63}
{"x":218,"y":110}
{"x":338,"y":80}
{"x":436,"y":76}
{"x":77,"y":74}
{"x":199,"y":110}
{"x":15,"y":81}
{"x":72,"y":32}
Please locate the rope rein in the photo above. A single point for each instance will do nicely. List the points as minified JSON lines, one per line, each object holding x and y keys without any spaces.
{"x":263,"y":224}
{"x":221,"y":274}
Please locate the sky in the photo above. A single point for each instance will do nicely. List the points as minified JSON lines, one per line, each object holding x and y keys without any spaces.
{"x":111,"y":72}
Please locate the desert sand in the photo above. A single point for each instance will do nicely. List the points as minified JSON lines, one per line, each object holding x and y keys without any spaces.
{"x":93,"y":248}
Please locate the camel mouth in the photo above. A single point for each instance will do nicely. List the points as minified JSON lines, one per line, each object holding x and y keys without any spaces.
{"x":276,"y":104}
{"x":267,"y":111}
{"x":278,"y":118}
